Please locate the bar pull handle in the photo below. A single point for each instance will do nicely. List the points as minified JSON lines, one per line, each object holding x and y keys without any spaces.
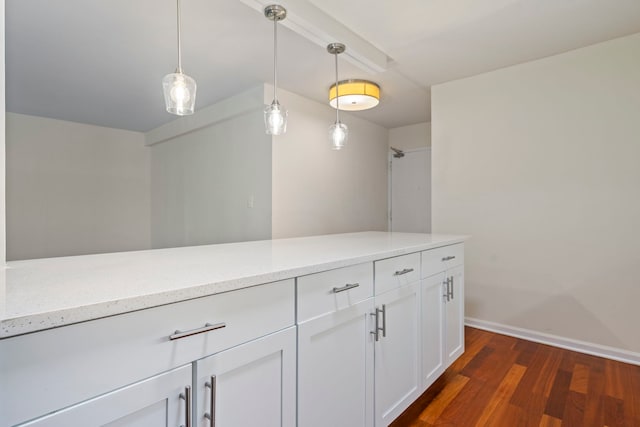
{"x":211,"y":415}
{"x":346,"y":287}
{"x":404,"y":271}
{"x":186,"y":396}
{"x":446,"y":293}
{"x":384,"y":320}
{"x":376,"y":330}
{"x":206,"y":328}
{"x":449,"y":283}
{"x":448,"y":258}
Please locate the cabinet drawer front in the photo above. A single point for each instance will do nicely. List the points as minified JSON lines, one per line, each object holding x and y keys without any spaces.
{"x":119,"y":350}
{"x":439,"y":259}
{"x":332,"y":290}
{"x":394,"y":272}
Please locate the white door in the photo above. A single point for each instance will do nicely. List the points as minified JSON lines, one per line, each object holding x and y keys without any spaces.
{"x":335,"y":368}
{"x":253,"y":384}
{"x":397,"y":353}
{"x":433,"y":318}
{"x":455,"y":315}
{"x":410,"y":189}
{"x":160,"y":401}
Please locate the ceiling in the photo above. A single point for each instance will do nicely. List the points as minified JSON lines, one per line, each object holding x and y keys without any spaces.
{"x":101,"y":62}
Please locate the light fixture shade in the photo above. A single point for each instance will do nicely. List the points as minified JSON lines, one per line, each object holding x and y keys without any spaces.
{"x":275,"y":119}
{"x":179,"y":93}
{"x":355,"y":95}
{"x":338,"y":133}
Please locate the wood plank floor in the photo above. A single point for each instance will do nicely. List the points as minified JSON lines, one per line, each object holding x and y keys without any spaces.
{"x":502,"y":381}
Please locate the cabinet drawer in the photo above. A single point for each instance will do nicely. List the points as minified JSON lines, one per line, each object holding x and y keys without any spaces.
{"x":105,"y":354}
{"x":394,"y":272}
{"x":439,"y":259}
{"x":333,"y":290}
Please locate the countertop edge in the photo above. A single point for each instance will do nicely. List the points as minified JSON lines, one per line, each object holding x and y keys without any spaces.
{"x":16,"y":326}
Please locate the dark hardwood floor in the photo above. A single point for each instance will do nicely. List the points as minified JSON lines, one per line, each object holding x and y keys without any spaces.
{"x":502,"y":381}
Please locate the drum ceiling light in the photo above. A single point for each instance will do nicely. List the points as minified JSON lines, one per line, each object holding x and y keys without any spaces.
{"x":355,"y":95}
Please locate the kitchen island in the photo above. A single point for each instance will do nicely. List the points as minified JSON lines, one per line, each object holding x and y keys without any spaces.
{"x":182,"y":334}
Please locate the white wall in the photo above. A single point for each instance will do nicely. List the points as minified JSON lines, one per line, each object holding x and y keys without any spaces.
{"x":540,"y":164}
{"x":317,"y":190}
{"x":410,"y":137}
{"x":212,"y":184}
{"x":74,"y":188}
{"x":3,"y":240}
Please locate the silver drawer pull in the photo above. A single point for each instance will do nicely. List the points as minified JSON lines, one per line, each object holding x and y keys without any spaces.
{"x":345,"y":287}
{"x":401,"y":272}
{"x":206,"y":328}
{"x":448,"y":258}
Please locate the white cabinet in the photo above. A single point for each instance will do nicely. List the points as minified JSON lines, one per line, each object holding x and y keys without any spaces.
{"x":397,"y":352}
{"x":335,"y":368}
{"x":160,"y":401}
{"x":433,"y":329}
{"x":454,"y":314}
{"x":335,"y":348}
{"x":253,"y":384}
{"x":59,"y":368}
{"x":397,"y":349}
{"x":442,"y":311}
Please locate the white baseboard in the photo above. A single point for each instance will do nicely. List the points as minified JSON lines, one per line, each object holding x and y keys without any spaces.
{"x":557,"y":341}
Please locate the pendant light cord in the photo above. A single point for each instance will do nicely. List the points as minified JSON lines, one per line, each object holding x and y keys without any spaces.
{"x":275,"y":59}
{"x":179,"y":44}
{"x":337,"y":92}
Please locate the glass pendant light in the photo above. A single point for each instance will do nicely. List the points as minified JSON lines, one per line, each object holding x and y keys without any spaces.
{"x":275,"y":115}
{"x":338,"y":132}
{"x":179,"y":89}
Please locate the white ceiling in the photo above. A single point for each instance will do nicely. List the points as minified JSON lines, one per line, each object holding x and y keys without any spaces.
{"x":101,"y":62}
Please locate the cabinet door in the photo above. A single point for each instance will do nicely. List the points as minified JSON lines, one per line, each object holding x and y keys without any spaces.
{"x":433,"y":328}
{"x":397,"y":353}
{"x":158,"y":401}
{"x":335,"y":368}
{"x":455,"y":316}
{"x":253,"y":384}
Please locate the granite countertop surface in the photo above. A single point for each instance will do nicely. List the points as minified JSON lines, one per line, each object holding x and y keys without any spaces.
{"x":46,"y":293}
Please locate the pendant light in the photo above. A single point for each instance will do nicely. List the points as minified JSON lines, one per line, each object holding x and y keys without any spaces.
{"x":338,"y":132}
{"x":179,"y":89}
{"x":275,"y":116}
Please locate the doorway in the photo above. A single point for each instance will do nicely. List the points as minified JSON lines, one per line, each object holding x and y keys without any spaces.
{"x":410,"y":190}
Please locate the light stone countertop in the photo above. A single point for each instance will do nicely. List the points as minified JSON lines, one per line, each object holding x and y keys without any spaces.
{"x":46,"y":293}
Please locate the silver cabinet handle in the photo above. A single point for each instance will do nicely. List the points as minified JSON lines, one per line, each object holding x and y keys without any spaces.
{"x":401,"y":272}
{"x":446,"y":293}
{"x":449,"y":283}
{"x":345,"y":287}
{"x":206,"y":328}
{"x":211,"y":416}
{"x":376,"y":330}
{"x":186,"y":396}
{"x":448,"y":258}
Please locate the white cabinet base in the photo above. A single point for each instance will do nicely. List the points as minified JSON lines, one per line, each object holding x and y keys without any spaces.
{"x":335,"y":369}
{"x":397,"y":355}
{"x":160,"y":401}
{"x":253,"y":384}
{"x":433,"y":321}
